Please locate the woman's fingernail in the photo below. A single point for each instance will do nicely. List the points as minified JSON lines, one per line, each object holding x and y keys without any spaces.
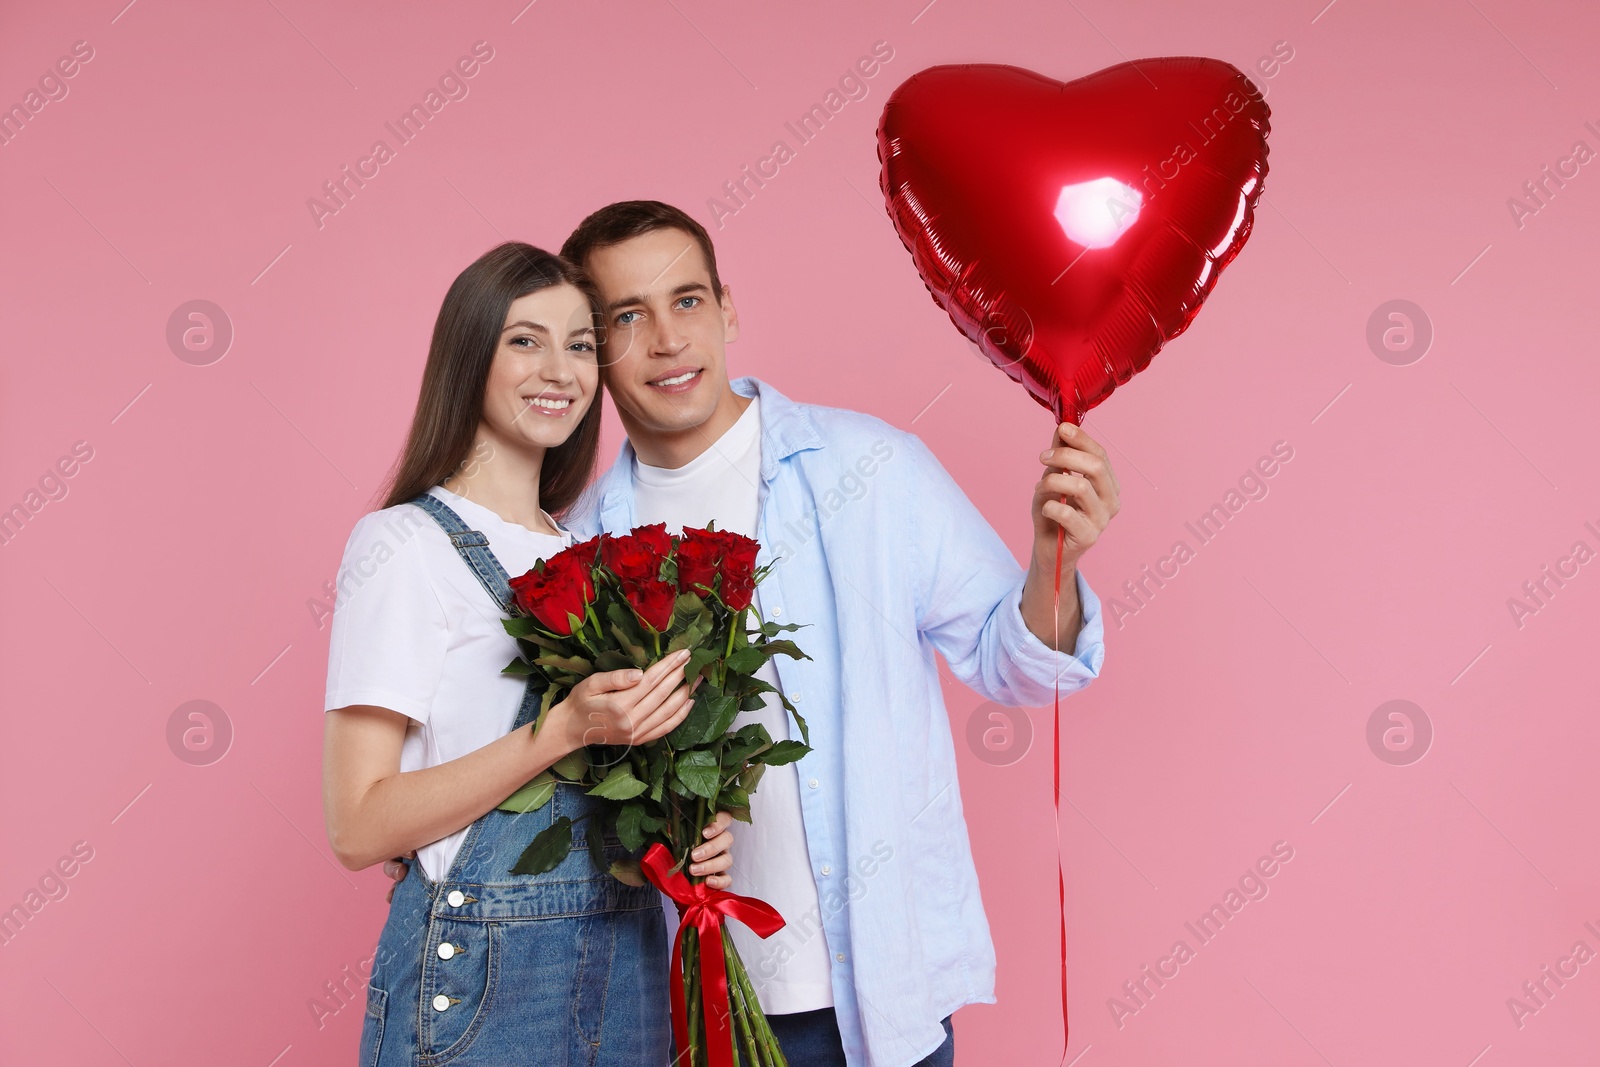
{"x":698,"y":854}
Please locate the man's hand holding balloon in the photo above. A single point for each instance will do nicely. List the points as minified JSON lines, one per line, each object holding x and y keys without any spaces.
{"x":1078,"y":494}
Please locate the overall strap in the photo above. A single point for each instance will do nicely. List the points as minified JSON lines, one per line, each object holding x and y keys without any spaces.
{"x":474,"y":549}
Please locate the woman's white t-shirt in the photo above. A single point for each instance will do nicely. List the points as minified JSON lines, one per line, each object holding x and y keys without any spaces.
{"x":415,"y":632}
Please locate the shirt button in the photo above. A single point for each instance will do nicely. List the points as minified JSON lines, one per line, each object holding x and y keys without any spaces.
{"x":776,"y":612}
{"x":813,"y":783}
{"x":826,"y":870}
{"x":839,"y":957}
{"x":446,"y":950}
{"x":441,"y":1002}
{"x":794,"y":698}
{"x":456,"y":898}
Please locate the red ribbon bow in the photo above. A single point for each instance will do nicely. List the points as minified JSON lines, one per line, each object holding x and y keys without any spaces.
{"x":704,"y":908}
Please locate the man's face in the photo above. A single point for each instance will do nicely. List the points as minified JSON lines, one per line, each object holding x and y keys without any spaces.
{"x":665,"y":331}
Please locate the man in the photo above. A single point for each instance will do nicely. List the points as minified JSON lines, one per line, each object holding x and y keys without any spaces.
{"x":861,"y":845}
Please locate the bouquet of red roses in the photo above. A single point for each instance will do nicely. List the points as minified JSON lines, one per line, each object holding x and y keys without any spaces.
{"x":612,"y":603}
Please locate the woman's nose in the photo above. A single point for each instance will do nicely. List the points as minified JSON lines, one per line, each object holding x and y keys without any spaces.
{"x":558,"y":369}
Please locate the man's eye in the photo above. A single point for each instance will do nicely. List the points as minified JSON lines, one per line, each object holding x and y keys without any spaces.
{"x":688,"y":302}
{"x":626,"y":318}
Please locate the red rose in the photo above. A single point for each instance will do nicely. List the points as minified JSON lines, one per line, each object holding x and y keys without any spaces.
{"x":651,"y":600}
{"x":586,"y":551}
{"x":637,"y":556}
{"x":698,"y":556}
{"x":655,"y":538}
{"x":737,"y":593}
{"x":553,"y":593}
{"x":739,"y":562}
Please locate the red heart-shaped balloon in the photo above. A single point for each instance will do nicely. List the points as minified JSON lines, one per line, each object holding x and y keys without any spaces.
{"x":1071,"y":230}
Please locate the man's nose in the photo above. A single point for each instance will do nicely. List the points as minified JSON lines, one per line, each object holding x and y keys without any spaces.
{"x":668,"y":339}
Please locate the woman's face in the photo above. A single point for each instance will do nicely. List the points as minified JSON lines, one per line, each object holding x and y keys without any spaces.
{"x":545,"y":374}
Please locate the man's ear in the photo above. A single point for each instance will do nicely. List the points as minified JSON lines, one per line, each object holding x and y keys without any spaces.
{"x":730,"y":316}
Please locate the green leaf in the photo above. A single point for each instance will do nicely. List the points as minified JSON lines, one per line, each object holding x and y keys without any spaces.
{"x":692,"y":637}
{"x":527,"y":628}
{"x":627,"y":871}
{"x":699,"y":772}
{"x":546,"y":851}
{"x":784,"y":752}
{"x":535,"y":794}
{"x":619,"y":614}
{"x":629,"y":830}
{"x":784,"y":648}
{"x":619,"y":784}
{"x":688,"y":605}
{"x":659,"y":766}
{"x":750,"y":777}
{"x":545,"y":703}
{"x":724,"y":710}
{"x":805,"y":731}
{"x":750,"y":739}
{"x":742,"y":814}
{"x":613,"y":660}
{"x":573,"y":766}
{"x":635,"y":651}
{"x":518,"y":666}
{"x":773,"y":629}
{"x":695,"y":727}
{"x":698,"y":659}
{"x":748,"y":660}
{"x":575,"y":664}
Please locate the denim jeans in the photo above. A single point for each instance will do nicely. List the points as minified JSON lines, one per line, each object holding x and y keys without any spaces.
{"x":811,"y":1039}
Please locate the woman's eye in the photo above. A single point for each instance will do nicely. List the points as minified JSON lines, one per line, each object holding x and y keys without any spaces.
{"x":523,"y":342}
{"x":581,"y":346}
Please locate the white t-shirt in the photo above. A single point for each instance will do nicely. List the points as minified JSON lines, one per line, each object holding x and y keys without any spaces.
{"x":415,"y":632}
{"x":790,"y":970}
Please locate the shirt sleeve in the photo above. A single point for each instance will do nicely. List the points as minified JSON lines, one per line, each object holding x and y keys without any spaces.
{"x":969,"y":598}
{"x":390,"y":632}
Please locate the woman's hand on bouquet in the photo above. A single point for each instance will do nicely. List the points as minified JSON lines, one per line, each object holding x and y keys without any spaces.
{"x":628,"y":707}
{"x":715,"y":857}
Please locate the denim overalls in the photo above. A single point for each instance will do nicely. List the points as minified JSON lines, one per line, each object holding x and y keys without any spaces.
{"x":491,"y":968}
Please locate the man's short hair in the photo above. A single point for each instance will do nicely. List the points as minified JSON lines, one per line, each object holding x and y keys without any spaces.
{"x":627,"y":219}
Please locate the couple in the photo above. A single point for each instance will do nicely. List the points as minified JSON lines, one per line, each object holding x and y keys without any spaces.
{"x":861,"y":845}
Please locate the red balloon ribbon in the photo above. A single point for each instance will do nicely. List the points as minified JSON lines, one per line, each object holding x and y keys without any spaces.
{"x":704,"y":908}
{"x":1055,"y":795}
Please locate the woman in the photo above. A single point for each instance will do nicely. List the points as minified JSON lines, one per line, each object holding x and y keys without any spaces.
{"x":425,"y":736}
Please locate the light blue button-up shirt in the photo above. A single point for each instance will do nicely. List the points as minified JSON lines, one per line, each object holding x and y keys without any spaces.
{"x":884,"y":560}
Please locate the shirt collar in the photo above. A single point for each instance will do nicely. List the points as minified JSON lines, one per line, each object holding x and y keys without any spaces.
{"x":786,"y":428}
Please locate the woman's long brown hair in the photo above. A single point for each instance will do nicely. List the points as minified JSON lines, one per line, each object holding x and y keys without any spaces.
{"x":465,"y":337}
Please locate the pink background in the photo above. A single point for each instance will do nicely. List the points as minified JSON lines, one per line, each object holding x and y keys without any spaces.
{"x":1233,"y":707}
